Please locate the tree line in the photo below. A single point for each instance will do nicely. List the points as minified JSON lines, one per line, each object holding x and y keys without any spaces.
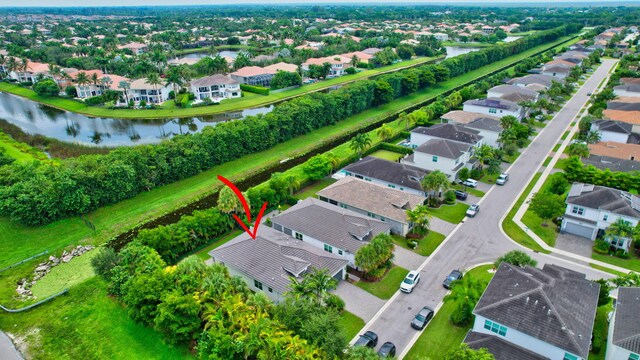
{"x":39,"y":193}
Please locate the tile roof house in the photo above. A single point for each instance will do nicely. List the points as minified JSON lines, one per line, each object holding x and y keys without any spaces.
{"x":623,"y":342}
{"x":500,"y":348}
{"x":616,"y":150}
{"x":543,"y":80}
{"x":387,"y":173}
{"x":267,"y":263}
{"x":464,"y":117}
{"x":450,"y":131}
{"x":488,"y":128}
{"x":382,"y":203}
{"x":141,"y":90}
{"x":631,"y":117}
{"x":136,"y":48}
{"x":215,"y":87}
{"x":512,"y":93}
{"x":548,"y":311}
{"x":328,"y":227}
{"x":495,"y":107}
{"x":253,"y":75}
{"x":613,"y":164}
{"x":338,"y":64}
{"x":557,"y":69}
{"x":281,"y":66}
{"x":445,"y":155}
{"x":627,"y":90}
{"x":592,"y":209}
{"x":616,"y":131}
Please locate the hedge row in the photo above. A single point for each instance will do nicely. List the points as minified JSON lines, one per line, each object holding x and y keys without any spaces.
{"x":254,"y":89}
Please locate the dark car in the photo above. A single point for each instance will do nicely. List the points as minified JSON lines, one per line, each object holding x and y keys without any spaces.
{"x":461,"y":195}
{"x":368,"y":339}
{"x":455,"y":275}
{"x":422,"y":318}
{"x":387,"y":350}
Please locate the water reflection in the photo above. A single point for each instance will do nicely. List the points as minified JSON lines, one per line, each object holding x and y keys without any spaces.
{"x":34,"y":118}
{"x":458,"y":50}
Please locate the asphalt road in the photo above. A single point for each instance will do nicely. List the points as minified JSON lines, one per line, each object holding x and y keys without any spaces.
{"x":480,"y":240}
{"x":7,"y":350}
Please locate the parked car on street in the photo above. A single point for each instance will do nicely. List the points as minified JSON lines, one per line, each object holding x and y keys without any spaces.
{"x":473,"y":210}
{"x":422,"y":318}
{"x":455,"y":275}
{"x":461,"y":195}
{"x":502,"y":179}
{"x":387,"y":350}
{"x":368,"y":339}
{"x":470,"y":183}
{"x":410,"y":281}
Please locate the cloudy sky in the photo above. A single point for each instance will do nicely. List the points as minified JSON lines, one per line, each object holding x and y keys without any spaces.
{"x":60,"y":3}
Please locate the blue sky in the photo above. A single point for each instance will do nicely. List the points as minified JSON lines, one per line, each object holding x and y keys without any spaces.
{"x":61,"y":3}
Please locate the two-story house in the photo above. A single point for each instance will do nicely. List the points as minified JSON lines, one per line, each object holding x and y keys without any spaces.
{"x":387,"y":173}
{"x":449,"y":131}
{"x":444,"y":155}
{"x":339,"y":64}
{"x":378,"y":202}
{"x":268,"y":262}
{"x":592,"y":209}
{"x":548,"y":312}
{"x":135,"y":47}
{"x":215,"y":87}
{"x":516,"y":94}
{"x":617,"y":131}
{"x":488,"y":128}
{"x":333,"y":229}
{"x":623,"y":340}
{"x":557,"y":70}
{"x":141,"y":90}
{"x":253,"y":75}
{"x":495,"y":107}
{"x":31,"y":73}
{"x":537,"y":80}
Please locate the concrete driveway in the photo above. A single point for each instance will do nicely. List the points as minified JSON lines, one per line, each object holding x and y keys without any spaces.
{"x":575,"y":244}
{"x":407,"y":258}
{"x":357,"y":301}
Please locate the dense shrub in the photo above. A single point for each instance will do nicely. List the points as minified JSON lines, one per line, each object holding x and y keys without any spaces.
{"x":46,"y":87}
{"x":601,"y":247}
{"x":254,"y":89}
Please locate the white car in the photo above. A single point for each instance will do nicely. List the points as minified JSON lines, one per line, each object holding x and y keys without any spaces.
{"x":473,"y":210}
{"x":502,"y":179}
{"x":410,"y":281}
{"x":470,"y":183}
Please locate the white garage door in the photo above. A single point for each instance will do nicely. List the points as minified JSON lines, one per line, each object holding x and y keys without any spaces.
{"x":580,"y":230}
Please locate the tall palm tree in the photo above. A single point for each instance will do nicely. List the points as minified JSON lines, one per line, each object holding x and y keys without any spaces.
{"x":420,"y":218}
{"x":174,"y":77}
{"x":154,"y":80}
{"x":12,"y":64}
{"x":621,"y":229}
{"x":436,"y":181}
{"x":508,"y":121}
{"x":24,"y":64}
{"x":125,"y":86}
{"x":82,"y":79}
{"x":95,"y":79}
{"x":354,"y":61}
{"x":334,"y":160}
{"x":593,"y":137}
{"x":298,"y":289}
{"x":360,"y":143}
{"x":484,"y":153}
{"x":320,"y":282}
{"x":384,"y":132}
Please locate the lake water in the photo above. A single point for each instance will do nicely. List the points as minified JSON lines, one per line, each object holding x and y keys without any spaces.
{"x":511,"y":38}
{"x":458,"y":50}
{"x":200,"y":55}
{"x":35,"y":118}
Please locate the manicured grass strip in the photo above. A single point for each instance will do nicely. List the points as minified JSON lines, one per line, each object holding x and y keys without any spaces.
{"x":556,"y":147}
{"x":311,"y":190}
{"x":633,"y":263}
{"x":430,"y":243}
{"x":534,"y":223}
{"x":441,"y":335}
{"x":514,"y":231}
{"x":204,"y":252}
{"x":600,"y":332}
{"x":547,"y":161}
{"x":386,"y":287}
{"x":564,"y":135}
{"x":87,"y":324}
{"x":450,"y":213}
{"x":606,"y":269}
{"x":65,"y":275}
{"x":387,"y":155}
{"x":470,"y":190}
{"x":350,"y":324}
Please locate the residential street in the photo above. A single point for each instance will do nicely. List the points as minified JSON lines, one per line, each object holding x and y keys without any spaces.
{"x":480,"y":240}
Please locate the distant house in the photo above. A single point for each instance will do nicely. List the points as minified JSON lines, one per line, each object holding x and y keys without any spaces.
{"x":623,"y":341}
{"x":534,"y":79}
{"x":557,"y":70}
{"x":338,"y":64}
{"x":281,"y":66}
{"x":488,"y":128}
{"x":616,"y":150}
{"x":330,"y":228}
{"x":516,"y":94}
{"x":382,"y":203}
{"x":141,"y":90}
{"x":495,"y":107}
{"x":32,"y":73}
{"x":616,"y":131}
{"x":267,"y":263}
{"x":136,"y":48}
{"x":215,"y":87}
{"x":548,"y":312}
{"x":253,"y":75}
{"x":627,"y":90}
{"x":441,"y":36}
{"x":592,"y":209}
{"x":449,"y":131}
{"x":445,"y":155}
{"x":387,"y":173}
{"x":464,"y":117}
{"x":611,"y":163}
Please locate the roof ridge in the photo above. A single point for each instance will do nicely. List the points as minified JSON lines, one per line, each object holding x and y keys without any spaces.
{"x":562,"y":322}
{"x":633,"y":337}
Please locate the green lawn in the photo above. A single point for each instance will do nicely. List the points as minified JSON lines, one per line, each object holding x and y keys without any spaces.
{"x":441,"y":335}
{"x":426,"y":245}
{"x":556,"y":147}
{"x":65,"y":275}
{"x":600,"y":331}
{"x":204,"y":252}
{"x":387,"y":155}
{"x":387,"y":286}
{"x":350,"y":324}
{"x":511,"y":158}
{"x":450,"y":213}
{"x":87,"y":324}
{"x":311,"y":190}
{"x":470,"y":190}
{"x":606,"y":269}
{"x":547,"y":161}
{"x":633,"y":263}
{"x":534,"y":223}
{"x":112,"y":220}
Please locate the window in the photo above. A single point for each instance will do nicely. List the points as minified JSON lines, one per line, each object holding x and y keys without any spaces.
{"x":328,"y":248}
{"x":344,"y":206}
{"x":577,"y":210}
{"x":299,"y":236}
{"x":391,"y":186}
{"x":368,"y":179}
{"x":382,"y":219}
{"x":372,"y":215}
{"x":492,"y":111}
{"x":270,"y":289}
{"x":634,"y":357}
{"x":495,"y":327}
{"x":568,"y":356}
{"x":434,"y":159}
{"x":339,"y":252}
{"x":257,"y":284}
{"x":605,"y":217}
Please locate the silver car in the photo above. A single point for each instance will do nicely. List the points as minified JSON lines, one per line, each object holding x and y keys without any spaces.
{"x":473,"y":210}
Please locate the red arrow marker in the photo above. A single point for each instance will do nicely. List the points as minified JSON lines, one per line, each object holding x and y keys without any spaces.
{"x":247,"y":211}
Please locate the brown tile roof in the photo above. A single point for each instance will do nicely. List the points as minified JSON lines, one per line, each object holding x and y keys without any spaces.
{"x":250,"y":71}
{"x":630,"y":81}
{"x":616,"y":150}
{"x":632,"y":117}
{"x":282,"y":66}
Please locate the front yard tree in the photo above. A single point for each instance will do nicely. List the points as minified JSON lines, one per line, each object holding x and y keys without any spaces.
{"x":361,"y":353}
{"x":320,"y":283}
{"x":631,"y":279}
{"x":375,"y":254}
{"x":517,"y":258}
{"x":317,"y":167}
{"x":436,"y":181}
{"x":420,"y":218}
{"x":508,"y":121}
{"x":621,"y":229}
{"x":384,"y":132}
{"x":465,"y":294}
{"x":46,"y":87}
{"x":578,"y":149}
{"x":360,"y":143}
{"x":547,"y":206}
{"x":592,"y":137}
{"x":603,"y":295}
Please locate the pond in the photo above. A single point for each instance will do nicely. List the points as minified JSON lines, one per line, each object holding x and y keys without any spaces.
{"x":35,"y":118}
{"x":459,"y":50}
{"x":200,"y":55}
{"x":511,"y":38}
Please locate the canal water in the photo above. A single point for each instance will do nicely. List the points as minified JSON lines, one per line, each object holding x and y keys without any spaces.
{"x":34,"y":118}
{"x":453,"y":51}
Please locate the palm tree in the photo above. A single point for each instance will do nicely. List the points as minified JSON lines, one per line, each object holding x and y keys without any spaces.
{"x":82,"y":79}
{"x":293,"y":183}
{"x":174,"y":77}
{"x":620,"y":229}
{"x":334,"y":160}
{"x":298,"y":289}
{"x":508,"y":121}
{"x":320,"y":282}
{"x":465,"y":294}
{"x":326,"y":70}
{"x":95,"y":79}
{"x":124,"y":85}
{"x":384,"y":132}
{"x":24,"y":64}
{"x":435,"y":181}
{"x":404,"y":117}
{"x":12,"y":64}
{"x":228,"y":201}
{"x":593,"y":137}
{"x":154,"y":80}
{"x":420,"y":218}
{"x":360,"y":143}
{"x":106,"y":82}
{"x":354,"y":61}
{"x":484,"y":153}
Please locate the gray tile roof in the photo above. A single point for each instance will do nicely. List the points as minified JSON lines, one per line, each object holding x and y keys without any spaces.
{"x":613,"y":164}
{"x":500,"y":348}
{"x":533,"y":79}
{"x":331,"y":224}
{"x":624,"y":106}
{"x":464,"y":117}
{"x":601,"y":197}
{"x":384,"y":201}
{"x":392,"y":172}
{"x":486,"y":124}
{"x":555,"y":305}
{"x":507,"y":90}
{"x":273,"y":256}
{"x":444,"y":148}
{"x":213,"y":80}
{"x":626,"y":328}
{"x":629,"y":88}
{"x":613,"y":126}
{"x":450,"y":131}
{"x":496,"y":103}
{"x":557,"y":68}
